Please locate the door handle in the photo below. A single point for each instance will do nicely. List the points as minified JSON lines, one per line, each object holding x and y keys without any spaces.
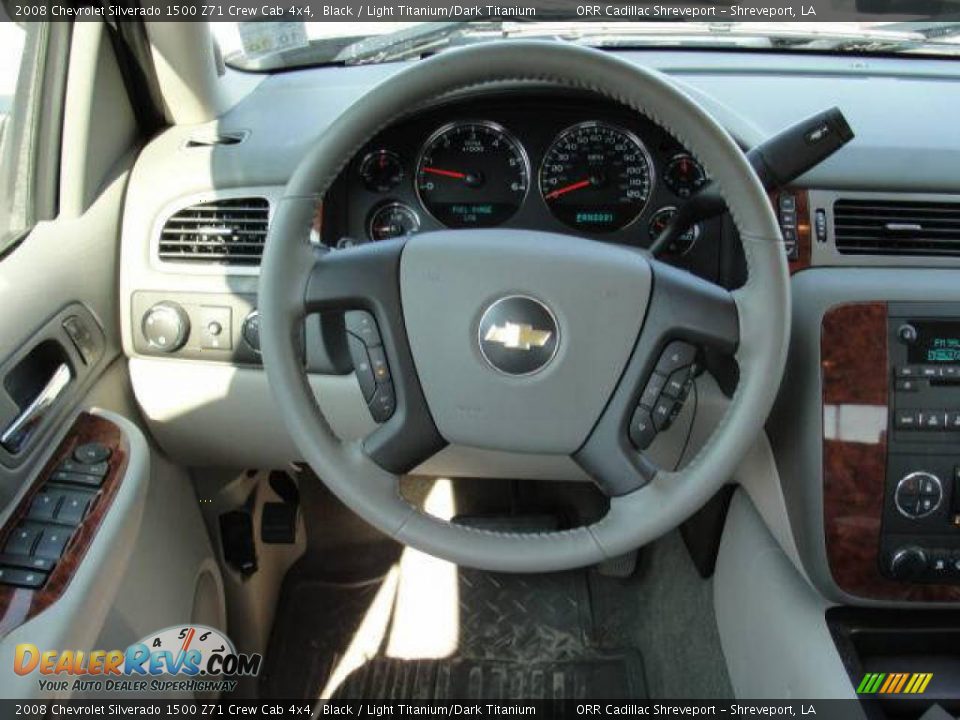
{"x":18,"y":432}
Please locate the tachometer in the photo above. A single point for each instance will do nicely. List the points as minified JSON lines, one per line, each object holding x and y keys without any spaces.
{"x":596,"y":177}
{"x":472,"y":174}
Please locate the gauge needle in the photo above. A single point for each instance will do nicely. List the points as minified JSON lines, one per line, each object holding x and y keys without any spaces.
{"x":446,"y":173}
{"x":569,"y":188}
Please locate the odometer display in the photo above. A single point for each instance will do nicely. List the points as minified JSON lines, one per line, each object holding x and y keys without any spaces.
{"x":596,"y":177}
{"x":472,"y":174}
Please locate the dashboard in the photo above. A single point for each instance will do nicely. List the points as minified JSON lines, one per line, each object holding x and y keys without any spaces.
{"x":541,"y":160}
{"x":208,"y":402}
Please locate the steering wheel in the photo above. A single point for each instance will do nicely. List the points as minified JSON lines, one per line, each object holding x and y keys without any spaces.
{"x":524,"y":341}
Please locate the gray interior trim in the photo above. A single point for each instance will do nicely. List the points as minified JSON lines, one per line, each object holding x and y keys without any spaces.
{"x":772,"y":626}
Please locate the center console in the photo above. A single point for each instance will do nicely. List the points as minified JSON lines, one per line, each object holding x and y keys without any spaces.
{"x":891,"y":449}
{"x":920,"y":539}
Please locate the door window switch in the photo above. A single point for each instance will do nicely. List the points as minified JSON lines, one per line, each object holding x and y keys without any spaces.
{"x":52,"y":542}
{"x":44,"y":505}
{"x":22,"y":578}
{"x":73,"y":507}
{"x":22,"y":540}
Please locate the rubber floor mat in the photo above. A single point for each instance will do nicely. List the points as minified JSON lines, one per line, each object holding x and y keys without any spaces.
{"x":515,"y":637}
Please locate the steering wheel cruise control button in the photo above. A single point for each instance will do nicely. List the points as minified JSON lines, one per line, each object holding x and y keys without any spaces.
{"x":384,"y":402}
{"x":362,"y":324}
{"x":362,"y":367}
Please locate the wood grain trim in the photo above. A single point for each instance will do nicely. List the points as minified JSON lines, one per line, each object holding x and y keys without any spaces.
{"x":855,"y":373}
{"x":17,"y":605}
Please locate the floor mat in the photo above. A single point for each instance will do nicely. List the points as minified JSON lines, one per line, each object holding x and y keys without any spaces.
{"x":514,"y":637}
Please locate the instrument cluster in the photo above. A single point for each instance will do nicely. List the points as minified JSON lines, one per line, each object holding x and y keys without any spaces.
{"x":552,"y":163}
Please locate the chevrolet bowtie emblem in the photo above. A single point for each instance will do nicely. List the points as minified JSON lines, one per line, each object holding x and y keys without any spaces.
{"x":517,"y":336}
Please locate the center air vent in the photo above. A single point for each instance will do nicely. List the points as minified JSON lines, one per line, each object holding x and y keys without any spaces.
{"x":896,"y":227}
{"x":227,"y":231}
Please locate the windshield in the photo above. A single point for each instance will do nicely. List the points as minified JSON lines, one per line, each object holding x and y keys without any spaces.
{"x":273,"y":46}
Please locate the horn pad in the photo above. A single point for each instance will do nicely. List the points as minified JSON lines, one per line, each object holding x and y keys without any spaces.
{"x":519,"y":337}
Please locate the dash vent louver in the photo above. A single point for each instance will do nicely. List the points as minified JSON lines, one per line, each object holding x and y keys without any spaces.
{"x":227,"y":231}
{"x":896,"y":227}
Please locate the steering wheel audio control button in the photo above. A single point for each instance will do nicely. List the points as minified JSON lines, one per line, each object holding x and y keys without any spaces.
{"x":676,"y":355}
{"x":664,"y":412}
{"x":678,"y":383}
{"x":651,"y":393}
{"x":642,"y":430}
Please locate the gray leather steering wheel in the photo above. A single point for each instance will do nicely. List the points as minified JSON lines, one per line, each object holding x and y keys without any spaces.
{"x":613,"y":311}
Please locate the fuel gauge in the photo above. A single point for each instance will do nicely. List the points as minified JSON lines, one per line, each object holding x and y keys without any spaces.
{"x":684,"y":175}
{"x":392,"y":220}
{"x":681,"y":245}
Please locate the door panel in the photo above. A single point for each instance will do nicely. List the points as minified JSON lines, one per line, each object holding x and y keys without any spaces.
{"x":65,"y":269}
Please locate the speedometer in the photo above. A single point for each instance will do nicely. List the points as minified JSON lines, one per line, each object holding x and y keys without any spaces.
{"x":596,"y":177}
{"x":472,"y":174}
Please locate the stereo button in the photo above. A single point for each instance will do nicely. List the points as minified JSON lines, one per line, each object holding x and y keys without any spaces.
{"x":932,"y":419}
{"x":908,"y":385}
{"x":906,"y":420}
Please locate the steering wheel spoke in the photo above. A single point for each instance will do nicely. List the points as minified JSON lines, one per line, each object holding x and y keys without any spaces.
{"x":686,"y":315}
{"x":363,"y":282}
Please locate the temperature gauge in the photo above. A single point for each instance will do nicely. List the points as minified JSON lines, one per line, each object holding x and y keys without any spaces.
{"x":658,"y":223}
{"x":391,"y":221}
{"x":381,"y":171}
{"x":684,"y":175}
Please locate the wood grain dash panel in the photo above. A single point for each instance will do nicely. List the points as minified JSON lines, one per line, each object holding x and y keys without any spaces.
{"x":17,"y":605}
{"x":855,"y":374}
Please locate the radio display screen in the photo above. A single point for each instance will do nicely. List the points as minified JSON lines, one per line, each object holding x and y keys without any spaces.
{"x":937,"y":342}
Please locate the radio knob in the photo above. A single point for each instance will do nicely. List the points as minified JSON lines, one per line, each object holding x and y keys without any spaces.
{"x":907,"y":334}
{"x":166,"y":327}
{"x":908,"y":563}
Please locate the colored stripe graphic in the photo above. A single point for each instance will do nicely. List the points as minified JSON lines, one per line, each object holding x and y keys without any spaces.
{"x":894,"y":683}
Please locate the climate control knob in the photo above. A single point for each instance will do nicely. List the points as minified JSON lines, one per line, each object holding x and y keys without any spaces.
{"x":166,"y":326}
{"x":908,"y":563}
{"x":918,"y":495}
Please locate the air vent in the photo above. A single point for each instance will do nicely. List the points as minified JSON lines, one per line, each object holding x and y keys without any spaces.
{"x":896,"y":227}
{"x":213,"y":139}
{"x":227,"y":231}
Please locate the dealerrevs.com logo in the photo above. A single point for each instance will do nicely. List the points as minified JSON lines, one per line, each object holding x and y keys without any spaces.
{"x":193,"y":658}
